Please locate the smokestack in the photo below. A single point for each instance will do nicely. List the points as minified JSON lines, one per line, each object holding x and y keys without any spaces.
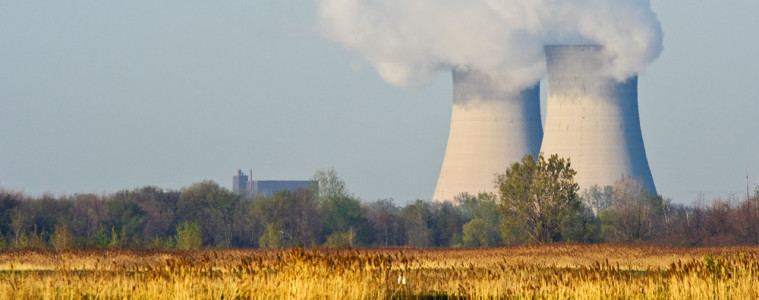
{"x":593,"y":119}
{"x":491,"y":128}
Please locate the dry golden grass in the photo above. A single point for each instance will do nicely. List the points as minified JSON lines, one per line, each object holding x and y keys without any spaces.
{"x":550,"y":271}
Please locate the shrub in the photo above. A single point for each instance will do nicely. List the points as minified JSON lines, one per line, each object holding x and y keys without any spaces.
{"x":189,"y":236}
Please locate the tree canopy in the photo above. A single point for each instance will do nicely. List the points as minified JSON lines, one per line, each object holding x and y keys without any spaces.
{"x":537,"y":202}
{"x":537,"y":197}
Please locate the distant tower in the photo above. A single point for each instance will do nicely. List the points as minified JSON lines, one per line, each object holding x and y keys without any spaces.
{"x":252,"y":188}
{"x":240,"y":183}
{"x":490,"y":129}
{"x":593,"y":119}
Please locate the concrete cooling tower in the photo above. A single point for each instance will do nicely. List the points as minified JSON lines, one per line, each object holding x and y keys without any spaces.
{"x":593,"y":119}
{"x":490,"y":130}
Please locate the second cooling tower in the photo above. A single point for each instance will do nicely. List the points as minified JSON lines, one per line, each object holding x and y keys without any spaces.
{"x":490,"y":129}
{"x":593,"y":119}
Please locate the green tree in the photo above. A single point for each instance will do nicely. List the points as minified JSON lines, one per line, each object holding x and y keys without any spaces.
{"x":448,"y":224}
{"x":189,"y":236}
{"x":125,"y":216}
{"x":49,"y":211}
{"x":271,"y":238}
{"x":341,"y":239}
{"x":341,"y":212}
{"x":537,"y":198}
{"x":114,"y":242}
{"x":583,"y":226}
{"x":475,"y":234}
{"x":485,"y":218}
{"x":607,"y":219}
{"x":212,"y":207}
{"x":296,"y":214}
{"x":418,"y":223}
{"x":159,"y":207}
{"x":9,"y":200}
{"x":330,"y":185}
{"x":100,"y":239}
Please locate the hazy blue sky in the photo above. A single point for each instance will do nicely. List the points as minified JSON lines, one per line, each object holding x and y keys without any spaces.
{"x":98,"y":97}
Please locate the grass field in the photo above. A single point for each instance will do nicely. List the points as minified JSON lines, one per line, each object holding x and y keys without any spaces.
{"x":551,"y":271}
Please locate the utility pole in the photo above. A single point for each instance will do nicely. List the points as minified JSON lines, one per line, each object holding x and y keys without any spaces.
{"x":748,"y":195}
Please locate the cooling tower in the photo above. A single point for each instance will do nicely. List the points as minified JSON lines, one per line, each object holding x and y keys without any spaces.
{"x":490,"y":129}
{"x":593,"y":119}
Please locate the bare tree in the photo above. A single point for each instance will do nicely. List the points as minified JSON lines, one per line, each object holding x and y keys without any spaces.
{"x":598,"y":198}
{"x":718,"y":225}
{"x":746,"y":222}
{"x":88,"y":214}
{"x":18,"y":224}
{"x":382,"y":216}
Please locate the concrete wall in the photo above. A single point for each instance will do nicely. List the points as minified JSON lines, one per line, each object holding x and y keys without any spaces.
{"x":490,"y":130}
{"x":593,"y":119}
{"x":267,"y":188}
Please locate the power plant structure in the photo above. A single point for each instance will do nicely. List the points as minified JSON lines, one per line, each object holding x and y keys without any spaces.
{"x":491,"y":128}
{"x":250,"y":189}
{"x":593,"y":119}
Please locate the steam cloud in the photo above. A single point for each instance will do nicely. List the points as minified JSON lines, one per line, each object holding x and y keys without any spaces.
{"x":406,"y":41}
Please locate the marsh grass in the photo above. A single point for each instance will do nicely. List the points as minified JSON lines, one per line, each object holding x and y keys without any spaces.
{"x":550,"y":271}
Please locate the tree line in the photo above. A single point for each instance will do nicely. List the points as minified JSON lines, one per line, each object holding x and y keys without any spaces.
{"x":538,"y":202}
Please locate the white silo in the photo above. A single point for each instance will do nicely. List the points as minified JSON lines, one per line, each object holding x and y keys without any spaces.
{"x":491,"y":128}
{"x":593,"y":119}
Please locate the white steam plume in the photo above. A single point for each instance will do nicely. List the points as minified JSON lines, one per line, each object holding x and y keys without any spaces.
{"x":407,"y":40}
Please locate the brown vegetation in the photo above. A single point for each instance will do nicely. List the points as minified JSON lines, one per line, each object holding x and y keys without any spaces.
{"x":547,"y":271}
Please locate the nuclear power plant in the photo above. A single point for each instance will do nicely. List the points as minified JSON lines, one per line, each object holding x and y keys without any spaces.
{"x":593,"y":119}
{"x":250,"y":189}
{"x":590,"y":118}
{"x":490,"y":129}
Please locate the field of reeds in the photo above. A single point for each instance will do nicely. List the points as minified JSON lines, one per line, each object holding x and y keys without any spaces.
{"x":549,"y":271}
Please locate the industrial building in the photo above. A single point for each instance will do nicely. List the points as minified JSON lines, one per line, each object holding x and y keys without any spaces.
{"x":491,"y":128}
{"x":591,"y":119}
{"x":240,"y":183}
{"x":243,"y":184}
